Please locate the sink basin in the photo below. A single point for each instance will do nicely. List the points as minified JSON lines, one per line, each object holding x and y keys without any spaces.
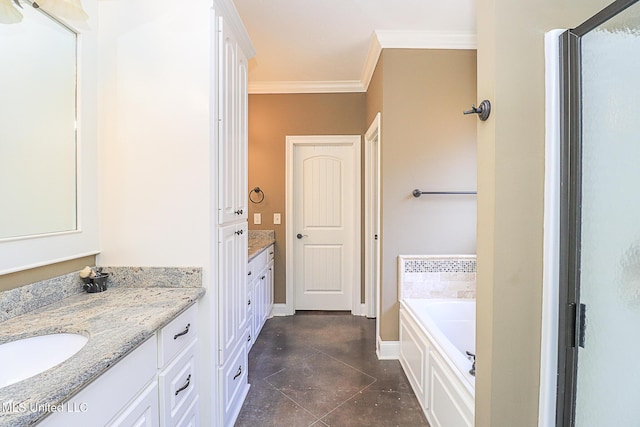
{"x":27,"y":357}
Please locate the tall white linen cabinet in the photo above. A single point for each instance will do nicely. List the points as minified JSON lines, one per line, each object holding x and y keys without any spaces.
{"x":172,"y":137}
{"x":232,"y":45}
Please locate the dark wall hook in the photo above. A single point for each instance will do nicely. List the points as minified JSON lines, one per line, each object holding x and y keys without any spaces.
{"x":483,"y":110}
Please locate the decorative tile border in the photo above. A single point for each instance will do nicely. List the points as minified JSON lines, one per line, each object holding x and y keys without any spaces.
{"x":437,"y":276}
{"x":438,"y":264}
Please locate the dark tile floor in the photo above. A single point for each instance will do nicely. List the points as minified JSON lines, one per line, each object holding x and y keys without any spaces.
{"x":322,"y":370}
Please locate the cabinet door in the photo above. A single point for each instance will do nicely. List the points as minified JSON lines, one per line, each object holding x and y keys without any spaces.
{"x":227,"y":124}
{"x":143,"y":412}
{"x":233,"y":128}
{"x":241,"y":146}
{"x":232,"y":287}
{"x":269,"y":292}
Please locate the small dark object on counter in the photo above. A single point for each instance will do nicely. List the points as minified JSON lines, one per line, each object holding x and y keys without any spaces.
{"x":96,"y":284}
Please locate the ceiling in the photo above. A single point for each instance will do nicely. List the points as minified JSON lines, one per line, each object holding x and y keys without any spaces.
{"x":332,"y":45}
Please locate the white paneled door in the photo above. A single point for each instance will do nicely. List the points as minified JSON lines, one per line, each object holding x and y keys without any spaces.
{"x":325,"y":222}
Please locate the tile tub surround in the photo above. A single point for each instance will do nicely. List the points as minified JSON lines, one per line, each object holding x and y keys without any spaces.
{"x":260,"y":240}
{"x":437,"y":276}
{"x":116,"y":322}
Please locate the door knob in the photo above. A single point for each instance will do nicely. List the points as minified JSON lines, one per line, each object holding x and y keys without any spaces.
{"x":300,"y":236}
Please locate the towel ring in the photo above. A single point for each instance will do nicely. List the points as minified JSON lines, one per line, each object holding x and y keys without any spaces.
{"x":258,"y":191}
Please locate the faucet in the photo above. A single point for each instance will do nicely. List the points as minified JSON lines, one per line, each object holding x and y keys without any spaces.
{"x":472,"y":356}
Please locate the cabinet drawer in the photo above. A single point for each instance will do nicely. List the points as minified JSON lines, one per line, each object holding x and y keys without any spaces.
{"x":178,"y":386}
{"x":121,"y":383}
{"x":177,"y":335}
{"x":234,"y":380}
{"x":143,"y":412}
{"x":257,"y":264}
{"x":191,"y":418}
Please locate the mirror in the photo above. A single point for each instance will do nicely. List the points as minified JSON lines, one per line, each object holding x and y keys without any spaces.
{"x":38,"y":170}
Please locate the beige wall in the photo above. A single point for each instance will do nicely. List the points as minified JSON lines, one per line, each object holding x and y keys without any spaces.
{"x":426,"y":143}
{"x":271,"y":119}
{"x":25,"y":277}
{"x":510,"y":202}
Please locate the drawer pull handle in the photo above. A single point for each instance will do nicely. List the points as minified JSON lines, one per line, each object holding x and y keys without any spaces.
{"x":249,"y":339}
{"x":185,"y":385}
{"x":185,"y":332}
{"x":238,"y":373}
{"x":249,"y":274}
{"x":249,"y":302}
{"x":262,"y":278}
{"x":271,"y":253}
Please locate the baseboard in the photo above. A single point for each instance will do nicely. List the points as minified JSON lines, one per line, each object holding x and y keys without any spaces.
{"x":388,"y":350}
{"x":361,"y":310}
{"x":281,"y":310}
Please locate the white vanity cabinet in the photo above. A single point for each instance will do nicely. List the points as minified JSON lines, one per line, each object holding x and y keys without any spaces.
{"x":155,"y":385}
{"x":260,"y":288}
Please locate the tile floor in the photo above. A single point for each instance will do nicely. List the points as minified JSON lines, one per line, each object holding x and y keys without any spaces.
{"x":322,"y":370}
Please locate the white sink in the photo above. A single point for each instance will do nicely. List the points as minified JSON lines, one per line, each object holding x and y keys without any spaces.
{"x":27,"y":357}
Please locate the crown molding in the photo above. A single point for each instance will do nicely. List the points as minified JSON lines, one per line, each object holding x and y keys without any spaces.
{"x":426,"y":40}
{"x":341,"y":86}
{"x":379,"y":41}
{"x":228,"y":10}
{"x":375,"y":49}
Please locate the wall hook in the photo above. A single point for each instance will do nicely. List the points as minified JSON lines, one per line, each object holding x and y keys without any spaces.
{"x":483,"y":110}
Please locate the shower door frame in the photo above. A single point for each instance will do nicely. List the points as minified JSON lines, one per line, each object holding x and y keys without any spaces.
{"x":571,"y":316}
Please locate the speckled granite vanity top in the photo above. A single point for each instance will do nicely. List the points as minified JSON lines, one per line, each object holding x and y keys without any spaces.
{"x":259,"y":240}
{"x":115,"y":321}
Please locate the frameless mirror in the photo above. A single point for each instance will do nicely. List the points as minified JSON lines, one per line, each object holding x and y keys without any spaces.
{"x":38,"y":180}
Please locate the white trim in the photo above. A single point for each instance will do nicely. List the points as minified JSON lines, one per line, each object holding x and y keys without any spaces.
{"x":49,"y":262}
{"x":363,"y":310}
{"x":380,"y":40}
{"x":343,"y":86}
{"x":228,"y":10}
{"x":372,"y":288}
{"x":426,"y":40}
{"x":280,"y":310}
{"x":350,"y":140}
{"x":551,"y":256}
{"x":375,"y":50}
{"x":387,"y":350}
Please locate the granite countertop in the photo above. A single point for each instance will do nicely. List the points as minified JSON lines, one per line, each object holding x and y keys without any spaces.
{"x":115,"y":321}
{"x":259,"y":240}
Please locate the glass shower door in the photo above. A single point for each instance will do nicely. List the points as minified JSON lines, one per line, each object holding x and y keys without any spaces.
{"x":608,"y":258}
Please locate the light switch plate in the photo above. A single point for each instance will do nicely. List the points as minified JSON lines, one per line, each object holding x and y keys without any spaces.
{"x":257,"y":218}
{"x":276,"y":218}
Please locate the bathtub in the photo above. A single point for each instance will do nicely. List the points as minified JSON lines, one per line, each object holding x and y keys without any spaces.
{"x":434,"y":336}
